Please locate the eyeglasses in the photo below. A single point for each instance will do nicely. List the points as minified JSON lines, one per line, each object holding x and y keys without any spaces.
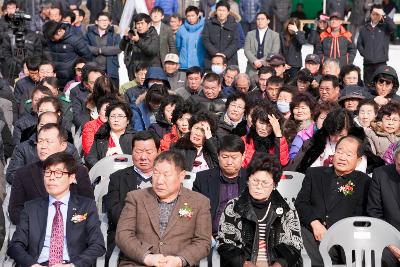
{"x":119,"y":117}
{"x":383,"y":81}
{"x":264,"y":184}
{"x":57,"y":174}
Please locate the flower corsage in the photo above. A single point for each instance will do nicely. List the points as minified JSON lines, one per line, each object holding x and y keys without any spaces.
{"x":185,"y":212}
{"x":347,"y":189}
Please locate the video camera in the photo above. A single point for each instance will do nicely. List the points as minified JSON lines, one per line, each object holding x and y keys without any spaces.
{"x":17,"y":23}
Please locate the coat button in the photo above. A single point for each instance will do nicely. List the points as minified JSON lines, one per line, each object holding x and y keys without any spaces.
{"x":161,"y":243}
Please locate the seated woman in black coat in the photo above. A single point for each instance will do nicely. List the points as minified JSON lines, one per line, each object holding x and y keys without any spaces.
{"x":258,"y":228}
{"x":163,"y":122}
{"x":199,"y":146}
{"x":114,"y":136}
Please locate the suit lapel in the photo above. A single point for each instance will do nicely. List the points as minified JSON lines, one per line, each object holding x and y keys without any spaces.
{"x":131,"y":180}
{"x":42,"y":214}
{"x":174,"y":217}
{"x":395,"y":184}
{"x":73,"y":207}
{"x":214,"y":185}
{"x":153,"y":211}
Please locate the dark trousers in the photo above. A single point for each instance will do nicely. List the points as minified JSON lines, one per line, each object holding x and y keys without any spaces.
{"x":312,"y":247}
{"x":248,"y":26}
{"x":369,"y":70}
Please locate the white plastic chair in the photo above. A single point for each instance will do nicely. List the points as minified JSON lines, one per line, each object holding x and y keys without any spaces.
{"x":188,"y":183}
{"x":6,"y":261}
{"x":290,"y":187}
{"x":348,"y":234}
{"x":215,"y":259}
{"x":103,"y":169}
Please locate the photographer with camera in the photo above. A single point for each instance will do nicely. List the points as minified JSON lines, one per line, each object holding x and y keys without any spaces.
{"x":64,"y":47}
{"x":141,"y":45}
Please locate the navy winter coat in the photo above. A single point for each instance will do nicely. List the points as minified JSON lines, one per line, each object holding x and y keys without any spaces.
{"x":65,"y":52}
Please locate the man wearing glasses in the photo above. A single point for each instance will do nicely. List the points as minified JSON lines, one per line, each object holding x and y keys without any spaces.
{"x":28,"y":180}
{"x":72,"y":235}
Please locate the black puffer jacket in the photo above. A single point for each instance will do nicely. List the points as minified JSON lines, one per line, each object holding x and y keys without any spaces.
{"x":65,"y":52}
{"x":219,"y":38}
{"x":216,"y":105}
{"x":26,"y":121}
{"x":189,"y":152}
{"x":100,"y":144}
{"x":26,"y":153}
{"x":238,"y":233}
{"x":161,"y":127}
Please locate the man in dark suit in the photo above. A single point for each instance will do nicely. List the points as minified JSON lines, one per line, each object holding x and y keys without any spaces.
{"x":384,"y":203}
{"x":329,"y":194}
{"x":28,"y":181}
{"x":61,"y":229}
{"x":166,"y":225}
{"x":145,"y":148}
{"x":225,"y":182}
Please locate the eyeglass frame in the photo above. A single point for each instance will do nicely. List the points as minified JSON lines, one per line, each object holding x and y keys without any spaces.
{"x":48,"y":173}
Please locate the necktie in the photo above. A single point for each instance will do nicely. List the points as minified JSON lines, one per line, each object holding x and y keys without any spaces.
{"x":57,"y":237}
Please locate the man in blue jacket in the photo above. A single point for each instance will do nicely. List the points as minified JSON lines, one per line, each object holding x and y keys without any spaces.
{"x":64,"y":47}
{"x":188,"y":39}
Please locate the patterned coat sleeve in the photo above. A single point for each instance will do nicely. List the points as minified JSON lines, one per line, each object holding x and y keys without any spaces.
{"x":229,"y":237}
{"x":290,"y":241}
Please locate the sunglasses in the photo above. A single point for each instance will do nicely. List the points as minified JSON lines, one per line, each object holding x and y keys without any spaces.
{"x":383,"y":81}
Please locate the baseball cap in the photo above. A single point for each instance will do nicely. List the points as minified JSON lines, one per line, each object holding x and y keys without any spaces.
{"x":314,"y":58}
{"x":335,"y":15}
{"x":171,"y":58}
{"x":275,"y":60}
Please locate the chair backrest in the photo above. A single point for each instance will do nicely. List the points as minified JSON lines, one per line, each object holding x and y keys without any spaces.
{"x":108,"y":165}
{"x":290,"y":187}
{"x":361,"y":234}
{"x":103,"y":169}
{"x":189,"y":180}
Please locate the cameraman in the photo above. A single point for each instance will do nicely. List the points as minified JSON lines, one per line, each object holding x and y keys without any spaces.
{"x":18,"y":43}
{"x":141,"y":45}
{"x":5,"y":31}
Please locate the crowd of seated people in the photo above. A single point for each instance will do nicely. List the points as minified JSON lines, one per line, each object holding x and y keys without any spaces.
{"x":209,"y":141}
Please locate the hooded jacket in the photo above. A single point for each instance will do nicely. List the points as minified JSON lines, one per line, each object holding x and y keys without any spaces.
{"x":65,"y":52}
{"x":336,"y":45}
{"x":190,"y":46}
{"x":387,"y":70}
{"x":219,"y":38}
{"x":380,"y":140}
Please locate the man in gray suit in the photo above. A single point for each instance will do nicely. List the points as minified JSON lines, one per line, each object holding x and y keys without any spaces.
{"x":259,"y":43}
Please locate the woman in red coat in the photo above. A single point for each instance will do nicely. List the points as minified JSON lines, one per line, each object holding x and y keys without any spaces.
{"x":91,"y":127}
{"x":265,"y":135}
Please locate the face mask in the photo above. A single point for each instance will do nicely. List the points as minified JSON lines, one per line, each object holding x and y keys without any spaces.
{"x":150,"y":84}
{"x":283,"y":106}
{"x":217,"y":69}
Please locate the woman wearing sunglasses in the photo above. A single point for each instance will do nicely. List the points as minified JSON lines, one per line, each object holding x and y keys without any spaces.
{"x":385,"y":83}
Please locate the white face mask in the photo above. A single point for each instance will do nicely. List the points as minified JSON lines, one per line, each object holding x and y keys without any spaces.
{"x":217,"y":69}
{"x":283,"y":106}
{"x":150,"y":84}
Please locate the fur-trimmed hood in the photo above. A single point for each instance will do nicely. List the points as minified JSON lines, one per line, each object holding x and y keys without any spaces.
{"x":377,"y":127}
